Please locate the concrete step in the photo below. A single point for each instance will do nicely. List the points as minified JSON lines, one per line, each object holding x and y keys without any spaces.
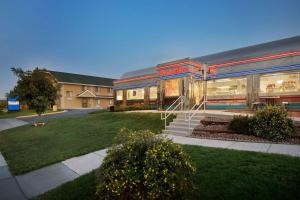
{"x":184,"y":123}
{"x":196,"y":117}
{"x":173,"y":132}
{"x":179,"y":128}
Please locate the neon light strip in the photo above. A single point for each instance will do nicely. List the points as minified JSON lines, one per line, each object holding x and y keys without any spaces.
{"x":291,"y":53}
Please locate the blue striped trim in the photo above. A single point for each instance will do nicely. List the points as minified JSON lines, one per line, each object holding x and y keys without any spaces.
{"x":293,"y":105}
{"x":135,"y":86}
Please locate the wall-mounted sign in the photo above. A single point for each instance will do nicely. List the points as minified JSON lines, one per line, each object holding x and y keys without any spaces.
{"x":177,"y":70}
{"x":212,"y":70}
{"x":13,"y":104}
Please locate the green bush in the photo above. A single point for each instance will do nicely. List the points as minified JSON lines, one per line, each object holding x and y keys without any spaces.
{"x":241,"y":124}
{"x":3,"y":105}
{"x":142,"y":165}
{"x":273,"y":123}
{"x":133,"y":107}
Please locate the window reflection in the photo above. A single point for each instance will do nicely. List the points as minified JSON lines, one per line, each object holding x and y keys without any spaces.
{"x":280,"y":83}
{"x":227,"y":86}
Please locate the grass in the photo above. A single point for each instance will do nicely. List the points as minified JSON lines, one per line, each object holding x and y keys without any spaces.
{"x":221,"y":174}
{"x":27,"y":148}
{"x":14,"y":114}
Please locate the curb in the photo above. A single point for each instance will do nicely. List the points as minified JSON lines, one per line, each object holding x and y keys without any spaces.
{"x":35,"y":115}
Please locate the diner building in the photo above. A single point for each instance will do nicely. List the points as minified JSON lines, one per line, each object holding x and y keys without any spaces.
{"x":267,"y":73}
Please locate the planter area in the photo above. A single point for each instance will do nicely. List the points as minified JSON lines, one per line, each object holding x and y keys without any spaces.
{"x":217,"y":128}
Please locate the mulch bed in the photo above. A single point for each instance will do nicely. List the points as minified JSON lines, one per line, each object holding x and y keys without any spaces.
{"x":217,"y":129}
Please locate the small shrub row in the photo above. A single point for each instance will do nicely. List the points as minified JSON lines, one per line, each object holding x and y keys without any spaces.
{"x":142,"y":165}
{"x":242,"y":125}
{"x":270,"y":122}
{"x":133,"y":107}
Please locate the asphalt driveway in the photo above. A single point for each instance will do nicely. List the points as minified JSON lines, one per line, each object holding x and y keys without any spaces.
{"x":69,"y":113}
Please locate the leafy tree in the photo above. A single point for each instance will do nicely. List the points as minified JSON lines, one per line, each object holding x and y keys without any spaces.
{"x":34,"y":89}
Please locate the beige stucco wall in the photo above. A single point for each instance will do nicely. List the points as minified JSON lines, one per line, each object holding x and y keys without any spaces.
{"x":76,"y":102}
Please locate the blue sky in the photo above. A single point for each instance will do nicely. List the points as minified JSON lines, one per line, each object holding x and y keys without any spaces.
{"x":108,"y":38}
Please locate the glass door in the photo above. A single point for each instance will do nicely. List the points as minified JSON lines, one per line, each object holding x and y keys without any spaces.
{"x":196,"y":92}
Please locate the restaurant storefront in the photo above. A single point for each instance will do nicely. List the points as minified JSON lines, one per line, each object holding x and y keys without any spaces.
{"x":226,"y":83}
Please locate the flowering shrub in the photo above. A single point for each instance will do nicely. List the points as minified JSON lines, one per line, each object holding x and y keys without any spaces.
{"x":273,"y":123}
{"x":141,"y":165}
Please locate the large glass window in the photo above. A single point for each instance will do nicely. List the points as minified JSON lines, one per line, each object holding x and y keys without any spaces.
{"x":227,"y":86}
{"x":153,"y":93}
{"x":119,"y":95}
{"x":280,"y":83}
{"x":135,"y":94}
{"x":172,"y":87}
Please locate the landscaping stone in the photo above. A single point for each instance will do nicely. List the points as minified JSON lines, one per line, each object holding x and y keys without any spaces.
{"x":42,"y":180}
{"x":84,"y":164}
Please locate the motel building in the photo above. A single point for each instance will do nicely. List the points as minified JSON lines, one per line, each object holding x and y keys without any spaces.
{"x":243,"y":78}
{"x":77,"y":91}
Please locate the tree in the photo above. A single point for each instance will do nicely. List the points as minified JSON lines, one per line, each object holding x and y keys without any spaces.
{"x":34,"y":89}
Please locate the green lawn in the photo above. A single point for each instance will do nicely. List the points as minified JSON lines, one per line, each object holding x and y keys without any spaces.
{"x":27,"y":148}
{"x":14,"y":114}
{"x":221,"y":174}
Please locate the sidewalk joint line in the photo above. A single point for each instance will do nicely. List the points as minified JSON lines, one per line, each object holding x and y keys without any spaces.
{"x":70,"y":169}
{"x":269,"y":148}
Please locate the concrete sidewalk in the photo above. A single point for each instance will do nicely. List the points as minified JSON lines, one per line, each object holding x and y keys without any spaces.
{"x":9,"y":187}
{"x":42,"y":180}
{"x":285,"y":149}
{"x":10,"y":123}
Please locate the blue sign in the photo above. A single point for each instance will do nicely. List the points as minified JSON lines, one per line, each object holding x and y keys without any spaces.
{"x":13,"y":104}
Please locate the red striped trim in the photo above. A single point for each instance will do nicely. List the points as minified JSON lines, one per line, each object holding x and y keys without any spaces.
{"x":291,"y":53}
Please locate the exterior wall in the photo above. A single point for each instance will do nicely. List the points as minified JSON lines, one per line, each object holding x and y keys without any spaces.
{"x":65,"y":102}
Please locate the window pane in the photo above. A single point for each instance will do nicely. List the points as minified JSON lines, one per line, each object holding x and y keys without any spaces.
{"x":172,"y":87}
{"x":153,"y":92}
{"x":119,"y":95}
{"x":227,"y":86}
{"x":280,"y":83}
{"x":134,"y":94}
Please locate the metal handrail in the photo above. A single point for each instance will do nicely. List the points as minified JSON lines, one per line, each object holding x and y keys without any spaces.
{"x":168,"y":112}
{"x":192,"y":112}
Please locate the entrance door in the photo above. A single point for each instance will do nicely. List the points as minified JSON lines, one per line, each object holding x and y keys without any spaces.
{"x":196,"y":92}
{"x":84,"y":102}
